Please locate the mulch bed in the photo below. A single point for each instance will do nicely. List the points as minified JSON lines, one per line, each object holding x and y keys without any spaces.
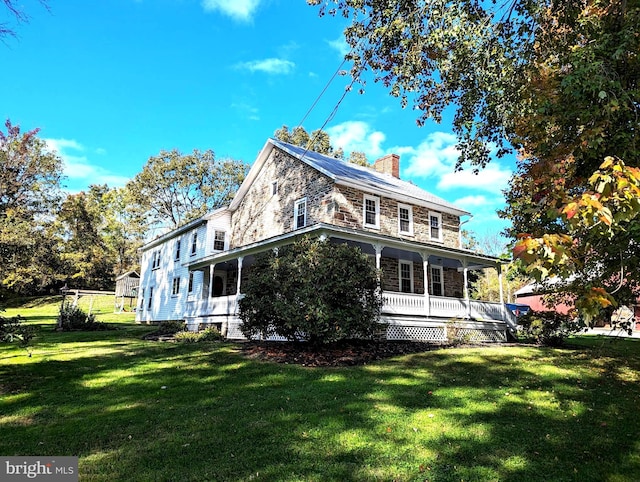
{"x":355,"y":352}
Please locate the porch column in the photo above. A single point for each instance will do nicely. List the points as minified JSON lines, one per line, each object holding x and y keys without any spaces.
{"x":465,"y":271}
{"x":212,"y":278}
{"x":425,"y":274}
{"x":239,"y":275}
{"x":502,"y":305}
{"x":378,"y":248}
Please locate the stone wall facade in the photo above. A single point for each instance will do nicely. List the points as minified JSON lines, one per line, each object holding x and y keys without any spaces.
{"x":263,"y":214}
{"x":452,"y":278}
{"x":347,"y":210}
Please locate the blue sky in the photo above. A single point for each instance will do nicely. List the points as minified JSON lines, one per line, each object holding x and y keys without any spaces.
{"x":111,"y":83}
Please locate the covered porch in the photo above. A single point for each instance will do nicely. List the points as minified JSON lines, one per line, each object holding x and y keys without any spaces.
{"x":410,"y":312}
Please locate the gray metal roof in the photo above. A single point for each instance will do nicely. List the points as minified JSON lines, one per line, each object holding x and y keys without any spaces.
{"x":343,"y":172}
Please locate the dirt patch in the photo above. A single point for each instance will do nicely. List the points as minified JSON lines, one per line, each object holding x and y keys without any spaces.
{"x":356,"y":352}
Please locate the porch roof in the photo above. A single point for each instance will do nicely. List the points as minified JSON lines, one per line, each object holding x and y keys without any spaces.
{"x":473,"y":260}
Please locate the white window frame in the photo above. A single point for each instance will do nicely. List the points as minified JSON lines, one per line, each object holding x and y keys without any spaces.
{"x":175,"y":286}
{"x":155,"y":259}
{"x":141,"y":305}
{"x":216,"y":232}
{"x":296,"y":213}
{"x":433,"y":214}
{"x":431,"y":281}
{"x":408,"y":232}
{"x":150,"y":300}
{"x":177,"y":255}
{"x":376,"y":200}
{"x":402,"y":262}
{"x":194,"y":244}
{"x":191,"y":282}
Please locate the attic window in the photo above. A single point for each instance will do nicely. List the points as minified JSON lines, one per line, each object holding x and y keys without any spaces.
{"x":371,"y":212}
{"x":300,"y":213}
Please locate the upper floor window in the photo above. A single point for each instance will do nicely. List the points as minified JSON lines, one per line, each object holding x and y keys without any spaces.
{"x":177,"y":257}
{"x":194,"y":243}
{"x":405,"y":219}
{"x":218,"y":240}
{"x":274,"y":188}
{"x":300,"y":213}
{"x":175,"y":287}
{"x":371,"y":211}
{"x":405,"y":269}
{"x":155,"y":260}
{"x":435,"y":226}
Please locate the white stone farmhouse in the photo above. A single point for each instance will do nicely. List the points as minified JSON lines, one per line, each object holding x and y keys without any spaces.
{"x":195,"y":273}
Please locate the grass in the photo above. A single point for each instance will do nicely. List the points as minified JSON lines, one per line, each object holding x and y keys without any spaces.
{"x":141,"y":410}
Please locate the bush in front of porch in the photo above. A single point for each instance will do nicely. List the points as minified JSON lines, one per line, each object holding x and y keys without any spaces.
{"x":312,"y":290}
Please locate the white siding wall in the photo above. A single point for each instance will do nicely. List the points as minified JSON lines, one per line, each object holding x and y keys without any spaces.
{"x":165,"y":305}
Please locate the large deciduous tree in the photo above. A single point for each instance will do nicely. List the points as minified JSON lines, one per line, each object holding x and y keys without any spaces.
{"x":16,"y":10}
{"x":558,"y":83}
{"x":29,"y":196}
{"x":175,"y":188}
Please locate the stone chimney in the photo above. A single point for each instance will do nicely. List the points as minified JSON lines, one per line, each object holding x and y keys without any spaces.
{"x":389,"y":164}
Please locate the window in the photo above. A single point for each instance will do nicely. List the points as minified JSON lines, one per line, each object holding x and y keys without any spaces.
{"x":274,"y":188}
{"x":435,"y":226}
{"x":405,"y":219}
{"x":371,"y":212}
{"x":141,"y":304}
{"x":194,"y":243}
{"x":300,"y":213}
{"x":177,"y":250}
{"x":218,"y":240}
{"x":436,"y":281}
{"x":190,"y":282}
{"x":175,"y":287}
{"x":406,"y":276}
{"x":155,"y":260}
{"x":150,"y":298}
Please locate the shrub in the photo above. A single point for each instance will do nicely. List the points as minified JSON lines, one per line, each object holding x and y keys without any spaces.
{"x":208,"y":334}
{"x":171,"y":327}
{"x":312,"y":290}
{"x":71,"y":318}
{"x":549,"y":328}
{"x":13,"y":330}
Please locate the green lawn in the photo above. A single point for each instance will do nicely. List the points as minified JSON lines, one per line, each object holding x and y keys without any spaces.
{"x":141,"y":410}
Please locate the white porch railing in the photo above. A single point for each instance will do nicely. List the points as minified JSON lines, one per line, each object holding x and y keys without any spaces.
{"x":442,"y":307}
{"x":394,"y":304}
{"x":213,"y":306}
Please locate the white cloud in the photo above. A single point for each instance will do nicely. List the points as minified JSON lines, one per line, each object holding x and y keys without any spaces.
{"x":269,"y":66}
{"x":77,"y":167}
{"x":357,"y":136}
{"x":340,"y":45}
{"x":242,"y":10}
{"x":471,"y":202}
{"x":251,"y":112}
{"x":436,"y":157}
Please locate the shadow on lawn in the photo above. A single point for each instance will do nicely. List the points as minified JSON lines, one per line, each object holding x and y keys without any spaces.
{"x":155,"y":411}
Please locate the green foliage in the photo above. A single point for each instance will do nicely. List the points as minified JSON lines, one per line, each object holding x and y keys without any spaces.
{"x":312,"y":290}
{"x":549,"y":328}
{"x":72,"y":318}
{"x":171,"y":327}
{"x":208,"y":334}
{"x":29,"y":192}
{"x":175,"y":188}
{"x":13,"y":329}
